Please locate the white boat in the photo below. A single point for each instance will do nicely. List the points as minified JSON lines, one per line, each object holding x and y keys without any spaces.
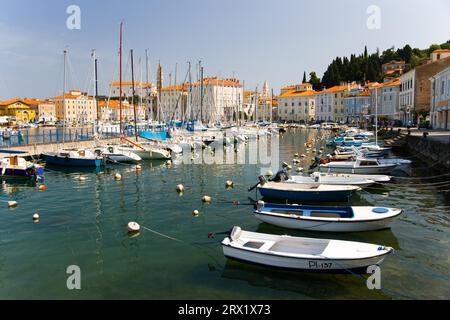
{"x":146,"y":152}
{"x":323,"y":178}
{"x":373,"y":177}
{"x":327,"y":219}
{"x":118,"y":154}
{"x":306,"y":254}
{"x":306,"y":192}
{"x":361,"y":166}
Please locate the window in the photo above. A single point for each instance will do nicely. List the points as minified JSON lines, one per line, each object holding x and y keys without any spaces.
{"x":442,"y":87}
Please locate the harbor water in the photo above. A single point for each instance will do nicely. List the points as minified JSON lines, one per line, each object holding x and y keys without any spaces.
{"x":83,"y":223}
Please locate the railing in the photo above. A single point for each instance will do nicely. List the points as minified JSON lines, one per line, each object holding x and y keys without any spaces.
{"x":44,"y":135}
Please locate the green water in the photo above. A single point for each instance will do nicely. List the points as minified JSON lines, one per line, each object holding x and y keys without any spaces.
{"x":84,"y":224}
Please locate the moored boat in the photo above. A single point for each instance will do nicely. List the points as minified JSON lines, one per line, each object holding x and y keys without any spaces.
{"x":74,"y":158}
{"x":306,"y":192}
{"x":328,"y":219}
{"x":18,"y":167}
{"x":304,"y":254}
{"x":323,"y":178}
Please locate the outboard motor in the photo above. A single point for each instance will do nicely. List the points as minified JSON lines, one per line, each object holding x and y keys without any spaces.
{"x":281,"y":176}
{"x":262,"y":180}
{"x":315,"y":163}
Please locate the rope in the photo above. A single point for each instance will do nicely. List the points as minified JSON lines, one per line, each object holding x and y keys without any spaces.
{"x":161,"y":234}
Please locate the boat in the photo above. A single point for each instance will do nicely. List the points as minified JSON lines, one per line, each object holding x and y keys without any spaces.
{"x":323,"y":178}
{"x":374,"y":177}
{"x":327,"y":219}
{"x":306,"y":192}
{"x":118,"y":154}
{"x":74,"y":158}
{"x":303,"y":254}
{"x":18,"y":167}
{"x":362,"y":166}
{"x":146,"y":151}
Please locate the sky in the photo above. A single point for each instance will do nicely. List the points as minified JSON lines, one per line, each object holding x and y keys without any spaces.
{"x":252,"y":40}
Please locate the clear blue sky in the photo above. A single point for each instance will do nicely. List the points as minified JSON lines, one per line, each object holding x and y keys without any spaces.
{"x":256,"y":40}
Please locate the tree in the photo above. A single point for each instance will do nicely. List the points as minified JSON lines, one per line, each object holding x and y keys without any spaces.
{"x":304,"y":77}
{"x":365,"y":53}
{"x":433,"y":47}
{"x":315,"y":81}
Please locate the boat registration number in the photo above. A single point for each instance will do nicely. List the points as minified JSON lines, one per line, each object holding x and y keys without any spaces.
{"x":320,"y":265}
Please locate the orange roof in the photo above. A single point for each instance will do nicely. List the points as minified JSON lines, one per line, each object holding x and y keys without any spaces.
{"x":441,"y":51}
{"x":24,"y":101}
{"x":129,"y":83}
{"x":395,"y":82}
{"x":294,"y":93}
{"x":179,"y":87}
{"x":113,"y":104}
{"x":219,"y":82}
{"x":364,"y":94}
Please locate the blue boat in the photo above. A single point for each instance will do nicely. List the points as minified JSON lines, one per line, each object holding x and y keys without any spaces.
{"x":306,"y":192}
{"x":74,"y":158}
{"x":17,"y":167}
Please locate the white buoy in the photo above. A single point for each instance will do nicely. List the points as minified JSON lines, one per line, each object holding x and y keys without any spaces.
{"x":229,"y":184}
{"x":207,"y":199}
{"x":180,"y":188}
{"x":303,"y":156}
{"x":81,"y":178}
{"x":133,"y":227}
{"x":36,"y":216}
{"x":289,"y":167}
{"x":138,"y":167}
{"x":285,"y":165}
{"x":195,"y":213}
{"x":299,"y":169}
{"x":168,"y":163}
{"x":296,"y":155}
{"x":118,"y":176}
{"x":12,"y":204}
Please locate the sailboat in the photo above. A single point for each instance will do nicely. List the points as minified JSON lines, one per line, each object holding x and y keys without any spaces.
{"x":76,"y":157}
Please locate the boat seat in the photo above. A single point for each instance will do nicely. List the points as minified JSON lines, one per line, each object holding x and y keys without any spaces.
{"x":324,"y":215}
{"x":298,"y":213}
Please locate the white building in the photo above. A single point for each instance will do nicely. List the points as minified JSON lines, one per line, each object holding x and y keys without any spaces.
{"x":406,"y":96}
{"x":173,"y":102}
{"x":330,"y":103}
{"x":297,"y":104}
{"x":390,"y":107}
{"x":75,"y":108}
{"x":440,"y":100}
{"x":141,"y":89}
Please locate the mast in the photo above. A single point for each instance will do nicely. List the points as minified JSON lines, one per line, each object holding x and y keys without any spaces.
{"x":190,"y":92}
{"x":147,"y":81}
{"x":271,"y":107}
{"x":132,"y":99}
{"x":256,"y":105}
{"x":376,"y":116}
{"x":201,"y":91}
{"x":96,"y":86}
{"x":120,"y":77}
{"x":64,"y":96}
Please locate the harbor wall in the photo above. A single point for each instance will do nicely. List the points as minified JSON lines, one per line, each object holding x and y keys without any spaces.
{"x":434,"y":152}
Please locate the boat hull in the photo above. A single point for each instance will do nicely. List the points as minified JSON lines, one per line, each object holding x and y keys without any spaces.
{"x":325,"y":226}
{"x":302,"y":264}
{"x":359,"y":170}
{"x":72,"y":162}
{"x":305,"y":195}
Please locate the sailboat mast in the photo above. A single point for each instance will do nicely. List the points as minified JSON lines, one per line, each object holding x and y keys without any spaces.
{"x":132,"y":99}
{"x":376,"y":116}
{"x":201,"y":91}
{"x":271,"y":107}
{"x":64,"y":96}
{"x":96,"y":86}
{"x":120,"y":78}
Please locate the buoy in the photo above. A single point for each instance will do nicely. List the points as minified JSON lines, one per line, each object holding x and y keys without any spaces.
{"x":133,"y":227}
{"x":289,"y":167}
{"x":36,"y":216}
{"x":303,"y":156}
{"x":296,"y":155}
{"x":229,"y":184}
{"x":12,"y":204}
{"x":180,"y":188}
{"x":168,"y":162}
{"x":207,"y":199}
{"x":285,"y":165}
{"x":118,"y":176}
{"x":269,"y":173}
{"x":138,"y":167}
{"x":42,"y":187}
{"x":299,"y":169}
{"x":81,"y":178}
{"x":195,"y":213}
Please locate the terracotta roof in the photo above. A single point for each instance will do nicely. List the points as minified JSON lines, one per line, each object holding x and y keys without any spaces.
{"x":179,"y":87}
{"x":113,"y":104}
{"x":441,"y":51}
{"x":290,"y":94}
{"x":24,"y":101}
{"x":364,"y":94}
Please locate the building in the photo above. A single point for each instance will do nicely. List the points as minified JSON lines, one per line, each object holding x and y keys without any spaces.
{"x":390,"y":107}
{"x":394,"y":66}
{"x":440,"y":100}
{"x":45,"y":110}
{"x":440,"y":54}
{"x":75,"y":107}
{"x":265,"y":111}
{"x":141,"y":89}
{"x":406,"y":96}
{"x":18,"y":109}
{"x":420,"y":88}
{"x":110,"y":111}
{"x":297,"y":103}
{"x":173,"y":101}
{"x":356,"y":105}
{"x":330,"y":103}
